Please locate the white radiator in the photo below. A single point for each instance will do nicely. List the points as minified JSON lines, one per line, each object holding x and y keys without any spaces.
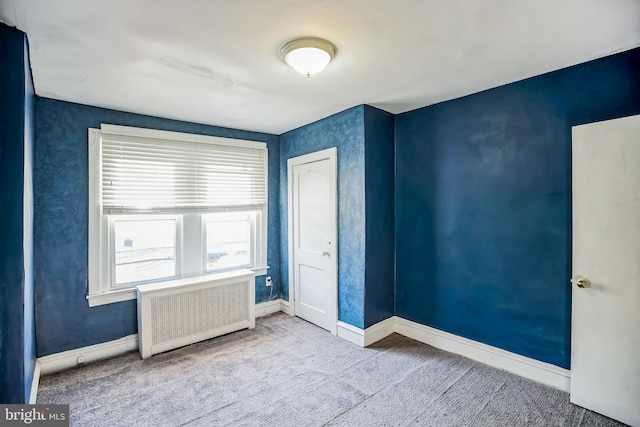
{"x":181,"y":312}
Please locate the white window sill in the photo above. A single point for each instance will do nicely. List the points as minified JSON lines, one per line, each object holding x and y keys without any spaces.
{"x":130,"y":294}
{"x":260,"y":271}
{"x":111,"y":297}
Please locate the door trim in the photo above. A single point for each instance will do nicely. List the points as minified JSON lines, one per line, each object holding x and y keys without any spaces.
{"x":330,"y":154}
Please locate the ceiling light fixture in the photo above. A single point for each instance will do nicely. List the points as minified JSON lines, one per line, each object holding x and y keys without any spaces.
{"x":308,"y":55}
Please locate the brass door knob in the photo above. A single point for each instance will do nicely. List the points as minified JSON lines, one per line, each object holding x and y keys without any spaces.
{"x":581,"y":282}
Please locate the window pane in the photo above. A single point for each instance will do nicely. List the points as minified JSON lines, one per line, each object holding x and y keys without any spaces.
{"x":144,"y":250}
{"x":228,"y":240}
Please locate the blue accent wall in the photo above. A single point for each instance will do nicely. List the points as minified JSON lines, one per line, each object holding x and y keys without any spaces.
{"x":64,"y":319}
{"x":17,"y":361}
{"x":345,"y":131}
{"x":483,"y":205}
{"x":379,"y":211}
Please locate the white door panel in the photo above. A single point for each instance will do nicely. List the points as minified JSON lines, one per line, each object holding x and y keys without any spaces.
{"x":312,"y":240}
{"x":605,"y":337}
{"x":310,"y":294}
{"x":313,"y":205}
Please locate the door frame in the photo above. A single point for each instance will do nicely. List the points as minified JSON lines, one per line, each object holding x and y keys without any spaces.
{"x":330,"y":154}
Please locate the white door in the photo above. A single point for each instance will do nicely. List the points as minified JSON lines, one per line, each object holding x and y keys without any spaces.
{"x":312,"y":238}
{"x":605,"y":330}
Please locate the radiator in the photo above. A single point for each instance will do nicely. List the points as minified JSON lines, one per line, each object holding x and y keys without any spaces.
{"x":181,"y":312}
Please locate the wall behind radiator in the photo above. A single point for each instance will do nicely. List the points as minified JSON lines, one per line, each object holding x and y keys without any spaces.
{"x":64,"y":319}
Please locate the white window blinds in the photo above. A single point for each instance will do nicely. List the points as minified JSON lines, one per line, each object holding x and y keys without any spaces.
{"x":162,"y":175}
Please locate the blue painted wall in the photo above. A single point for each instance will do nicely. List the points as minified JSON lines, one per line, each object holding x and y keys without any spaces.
{"x":483,"y":205}
{"x":17,"y":361}
{"x":379,"y":211}
{"x":64,"y":319}
{"x":345,"y":131}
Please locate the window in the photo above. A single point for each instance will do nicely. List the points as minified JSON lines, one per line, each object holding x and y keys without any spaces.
{"x":144,"y":249}
{"x":166,"y":205}
{"x":227,"y":240}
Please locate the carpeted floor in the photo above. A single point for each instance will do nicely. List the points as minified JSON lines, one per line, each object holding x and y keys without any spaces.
{"x":287,"y":372}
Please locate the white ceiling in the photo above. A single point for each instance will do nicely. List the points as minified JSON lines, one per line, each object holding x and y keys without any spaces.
{"x":217,"y":61}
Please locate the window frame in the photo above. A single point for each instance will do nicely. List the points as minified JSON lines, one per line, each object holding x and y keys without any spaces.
{"x":190,"y":254}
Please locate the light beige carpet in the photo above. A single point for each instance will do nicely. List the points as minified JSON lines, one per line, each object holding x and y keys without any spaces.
{"x":287,"y":372}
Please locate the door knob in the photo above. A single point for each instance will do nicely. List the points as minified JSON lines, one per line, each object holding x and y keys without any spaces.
{"x":325,"y":253}
{"x":582,"y":282}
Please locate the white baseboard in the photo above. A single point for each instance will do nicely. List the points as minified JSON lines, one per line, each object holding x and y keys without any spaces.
{"x":351,"y":333}
{"x":366,"y":337}
{"x":68,"y":359}
{"x":380,"y":330}
{"x":274,"y":306}
{"x":526,"y":367}
{"x":34,"y":384}
{"x":532,"y":369}
{"x":285,"y":307}
{"x":268,"y":307}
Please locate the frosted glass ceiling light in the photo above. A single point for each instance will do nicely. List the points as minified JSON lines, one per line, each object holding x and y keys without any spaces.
{"x":308,"y":55}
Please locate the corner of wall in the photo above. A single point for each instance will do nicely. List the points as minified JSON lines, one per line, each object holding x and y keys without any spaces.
{"x":379,"y":215}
